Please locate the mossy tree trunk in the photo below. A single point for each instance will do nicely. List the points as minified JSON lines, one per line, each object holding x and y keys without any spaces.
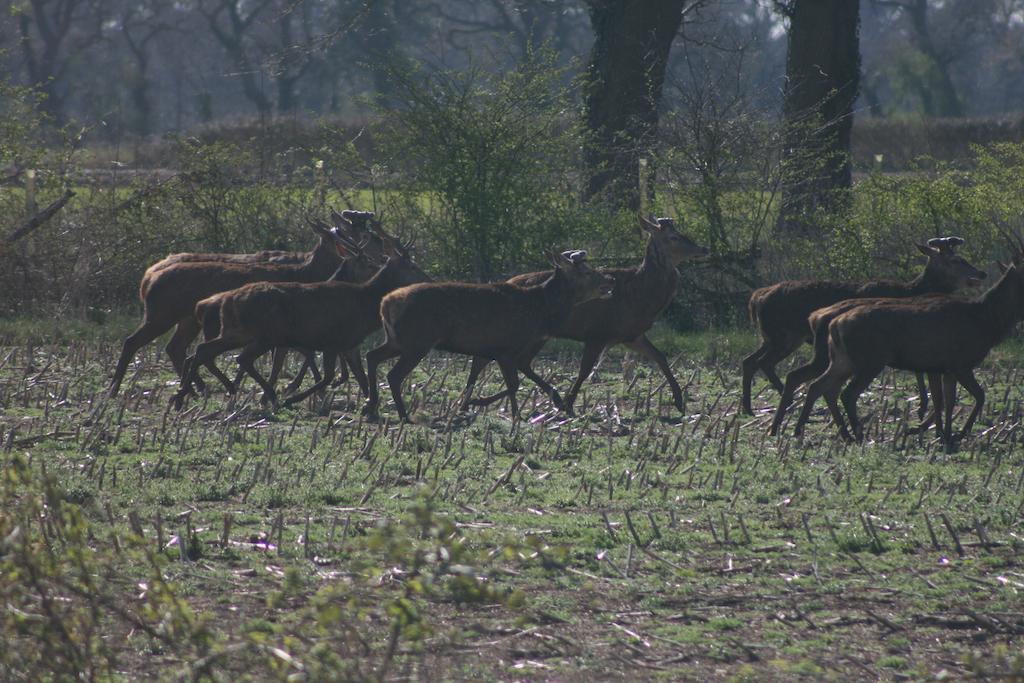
{"x":632,"y":41}
{"x":822,"y":82}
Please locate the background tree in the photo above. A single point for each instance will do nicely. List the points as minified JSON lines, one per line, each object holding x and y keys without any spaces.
{"x":53,"y":35}
{"x":231,"y":23}
{"x":141,"y":23}
{"x":822,"y":82}
{"x":624,"y":81}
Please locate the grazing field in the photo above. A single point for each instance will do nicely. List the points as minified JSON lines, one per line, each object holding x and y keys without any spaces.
{"x":227,"y":541}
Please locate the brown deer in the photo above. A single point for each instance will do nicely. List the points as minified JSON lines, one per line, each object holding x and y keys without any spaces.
{"x":936,"y":335}
{"x":353,"y":223}
{"x":818,"y":322}
{"x":359,"y":265}
{"x":780,"y":311}
{"x":358,"y":227}
{"x":171,"y":294}
{"x":640,"y":294}
{"x":333,"y":316}
{"x":499,"y":321}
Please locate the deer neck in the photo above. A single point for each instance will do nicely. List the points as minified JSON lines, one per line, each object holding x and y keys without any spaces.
{"x":1002,"y":306}
{"x":557,"y":298}
{"x":656,"y":272}
{"x":382,"y":282}
{"x":319,"y":265}
{"x":929,"y":281}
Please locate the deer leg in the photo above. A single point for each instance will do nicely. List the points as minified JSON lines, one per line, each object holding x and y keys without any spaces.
{"x":856,"y":387}
{"x":591,"y":352}
{"x":643,"y":346}
{"x":239,"y":376}
{"x":525,"y":365}
{"x":773,"y":358}
{"x":373,"y":359}
{"x":750,"y":366}
{"x":475,"y":368}
{"x":922,"y":392}
{"x":279,"y":355}
{"x":828,"y":384}
{"x":308,"y":364}
{"x":967,"y":378}
{"x":794,"y":379}
{"x":352,"y":360}
{"x":831,"y":401}
{"x":948,"y":392}
{"x":188,"y":329}
{"x":343,"y":369}
{"x":229,"y":386}
{"x":329,"y":362}
{"x":205,"y":353}
{"x":529,"y":372}
{"x":246,"y":361}
{"x":765,"y":359}
{"x":407,"y":361}
{"x":935,"y":415}
{"x":511,"y":375}
{"x":296,"y":382}
{"x":146,"y":332}
{"x":527,"y":369}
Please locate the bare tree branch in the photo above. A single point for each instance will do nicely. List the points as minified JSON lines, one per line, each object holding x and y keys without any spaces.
{"x":39,"y":219}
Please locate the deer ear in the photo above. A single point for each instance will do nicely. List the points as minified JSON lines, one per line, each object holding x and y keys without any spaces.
{"x":927,"y":249}
{"x":666,"y":222}
{"x":1003,"y":267}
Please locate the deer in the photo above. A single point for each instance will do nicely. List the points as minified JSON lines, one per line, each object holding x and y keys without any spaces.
{"x":332,"y":316}
{"x":170,"y":296}
{"x":499,"y":321}
{"x":358,"y":227}
{"x":639,"y":296}
{"x":354,"y":223}
{"x":780,"y":311}
{"x":818,"y":322}
{"x":358,"y":265}
{"x":942,"y":336}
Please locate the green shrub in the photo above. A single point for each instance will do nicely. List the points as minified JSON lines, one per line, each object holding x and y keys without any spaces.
{"x":481,"y":165}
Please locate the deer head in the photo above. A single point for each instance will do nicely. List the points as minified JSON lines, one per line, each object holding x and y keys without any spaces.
{"x":662,"y":235}
{"x":946,"y":264}
{"x":586,"y":282}
{"x":359,"y":226}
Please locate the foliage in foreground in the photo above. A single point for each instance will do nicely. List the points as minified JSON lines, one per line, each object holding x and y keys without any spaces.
{"x":307,"y":543}
{"x":86,"y":603}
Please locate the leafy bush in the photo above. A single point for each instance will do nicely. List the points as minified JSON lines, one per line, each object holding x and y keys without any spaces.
{"x":890,"y":213}
{"x":69,"y":598}
{"x":482,"y":164}
{"x":86,"y":604}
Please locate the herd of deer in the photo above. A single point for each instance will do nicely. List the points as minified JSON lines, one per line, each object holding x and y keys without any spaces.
{"x":359,"y":278}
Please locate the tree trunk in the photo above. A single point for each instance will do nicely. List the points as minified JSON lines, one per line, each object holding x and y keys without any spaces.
{"x":632,"y":41}
{"x":822,"y":82}
{"x":943,"y":99}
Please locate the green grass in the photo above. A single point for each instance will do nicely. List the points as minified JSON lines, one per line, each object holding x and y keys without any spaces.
{"x":629,"y":542}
